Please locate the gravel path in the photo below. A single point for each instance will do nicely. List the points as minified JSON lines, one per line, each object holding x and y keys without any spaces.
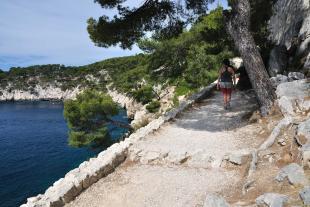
{"x":183,"y":161}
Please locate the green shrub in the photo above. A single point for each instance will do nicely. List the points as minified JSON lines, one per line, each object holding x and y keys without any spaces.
{"x":153,"y":106}
{"x":88,"y":117}
{"x":144,"y":94}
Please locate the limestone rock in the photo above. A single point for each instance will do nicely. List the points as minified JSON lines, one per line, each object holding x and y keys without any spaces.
{"x":303,"y":132}
{"x":278,"y":79}
{"x":278,"y":60}
{"x":271,"y":200}
{"x":296,"y":76}
{"x":286,"y":105}
{"x":290,"y":93}
{"x":305,"y":195}
{"x":306,"y":156}
{"x":202,"y":159}
{"x":295,"y":89}
{"x":290,"y":19}
{"x":49,"y":92}
{"x":130,"y":104}
{"x":294,"y":173}
{"x":177,"y":158}
{"x":237,"y":158}
{"x":213,"y":200}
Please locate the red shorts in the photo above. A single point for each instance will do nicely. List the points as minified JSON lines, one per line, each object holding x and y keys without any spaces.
{"x":226,"y":91}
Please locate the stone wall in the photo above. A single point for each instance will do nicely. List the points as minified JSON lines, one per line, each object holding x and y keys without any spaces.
{"x":66,"y":189}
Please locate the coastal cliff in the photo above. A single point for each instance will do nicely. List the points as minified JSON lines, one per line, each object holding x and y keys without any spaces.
{"x":135,"y":110}
{"x":38,"y":93}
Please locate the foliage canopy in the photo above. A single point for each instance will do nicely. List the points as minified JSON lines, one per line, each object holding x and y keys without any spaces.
{"x":167,"y":18}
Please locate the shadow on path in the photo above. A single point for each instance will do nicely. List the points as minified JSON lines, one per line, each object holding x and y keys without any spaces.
{"x":211,"y":116}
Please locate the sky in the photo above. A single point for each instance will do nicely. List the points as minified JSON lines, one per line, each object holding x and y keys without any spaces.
{"x":51,"y":32}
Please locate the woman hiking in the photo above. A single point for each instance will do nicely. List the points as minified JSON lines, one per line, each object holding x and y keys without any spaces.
{"x":226,"y":82}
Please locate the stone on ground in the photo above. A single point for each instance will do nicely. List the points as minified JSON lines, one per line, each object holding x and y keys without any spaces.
{"x":213,"y":200}
{"x":294,"y":173}
{"x":305,"y":195}
{"x":272,"y":200}
{"x":303,"y":133}
{"x":306,"y":155}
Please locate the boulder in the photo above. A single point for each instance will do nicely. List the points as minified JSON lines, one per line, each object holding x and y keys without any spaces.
{"x":295,"y":89}
{"x":278,"y":79}
{"x":238,"y":157}
{"x":292,"y":93}
{"x":294,"y":173}
{"x":278,"y":60}
{"x":306,"y":156}
{"x":271,"y":200}
{"x":305,"y":195}
{"x":286,"y":105}
{"x":296,"y":76}
{"x":303,"y":133}
{"x":213,"y":200}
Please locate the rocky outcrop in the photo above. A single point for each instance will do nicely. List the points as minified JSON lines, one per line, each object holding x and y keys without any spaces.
{"x":138,"y":112}
{"x":293,"y":97}
{"x":131,"y":105}
{"x":291,"y":18}
{"x":289,"y":29}
{"x":303,"y":133}
{"x":39,"y":93}
{"x":294,"y":173}
{"x":278,"y":79}
{"x":278,"y":60}
{"x":272,"y":200}
{"x":292,"y":76}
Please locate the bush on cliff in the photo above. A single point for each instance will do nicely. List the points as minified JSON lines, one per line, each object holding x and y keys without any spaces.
{"x":153,"y":106}
{"x":88,"y":117}
{"x":144,"y":94}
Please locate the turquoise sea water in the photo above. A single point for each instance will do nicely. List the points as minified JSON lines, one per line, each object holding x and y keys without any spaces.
{"x":33,"y":149}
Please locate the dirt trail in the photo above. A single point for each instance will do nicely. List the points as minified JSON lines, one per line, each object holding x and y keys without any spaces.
{"x":183,"y":161}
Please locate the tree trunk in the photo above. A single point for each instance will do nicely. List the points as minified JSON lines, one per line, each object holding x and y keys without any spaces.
{"x":238,"y":26}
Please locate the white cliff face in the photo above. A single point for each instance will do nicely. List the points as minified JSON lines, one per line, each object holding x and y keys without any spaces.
{"x":137,"y":111}
{"x":39,"y":93}
{"x":291,"y":18}
{"x":129,"y":103}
